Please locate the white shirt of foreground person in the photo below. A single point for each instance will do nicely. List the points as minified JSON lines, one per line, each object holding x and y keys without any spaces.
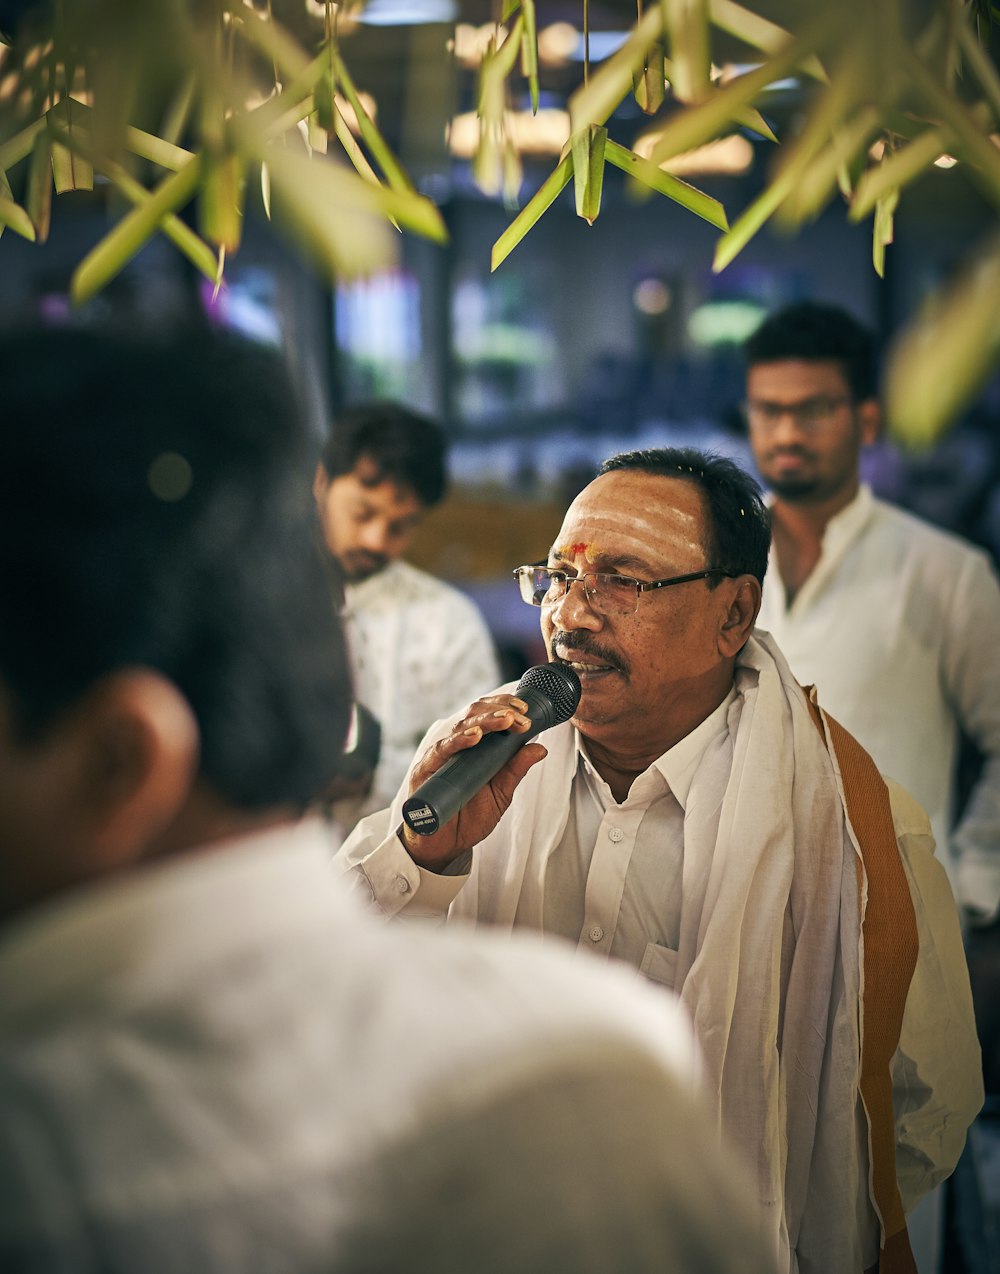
{"x":897,"y":626}
{"x":729,"y":873}
{"x":217,"y":1063}
{"x":419,"y":650}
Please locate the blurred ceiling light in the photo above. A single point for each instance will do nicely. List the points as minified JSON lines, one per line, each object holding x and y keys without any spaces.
{"x":733,"y":70}
{"x":405,"y":13}
{"x":945,"y":161}
{"x":543,"y":134}
{"x":557,"y":43}
{"x":470,"y":43}
{"x":727,"y":157}
{"x":345,"y":16}
{"x":652,"y":296}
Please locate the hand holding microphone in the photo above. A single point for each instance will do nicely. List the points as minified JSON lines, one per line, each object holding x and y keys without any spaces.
{"x":484,"y":759}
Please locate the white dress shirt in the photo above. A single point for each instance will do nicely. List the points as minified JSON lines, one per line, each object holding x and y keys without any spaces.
{"x":767,"y":951}
{"x":419,"y":650}
{"x":898,"y":627}
{"x":217,"y":1063}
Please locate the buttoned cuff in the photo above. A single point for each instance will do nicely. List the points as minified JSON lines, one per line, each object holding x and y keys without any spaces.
{"x":399,"y":885}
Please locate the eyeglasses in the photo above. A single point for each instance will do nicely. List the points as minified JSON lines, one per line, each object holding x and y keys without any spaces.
{"x":809,"y":415}
{"x":607,"y":594}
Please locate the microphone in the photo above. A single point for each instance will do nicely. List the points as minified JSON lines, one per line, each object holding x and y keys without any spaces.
{"x":551,"y":692}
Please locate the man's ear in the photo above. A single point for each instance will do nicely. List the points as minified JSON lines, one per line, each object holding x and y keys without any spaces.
{"x":870,"y":421}
{"x":141,"y":758}
{"x":741,"y":615}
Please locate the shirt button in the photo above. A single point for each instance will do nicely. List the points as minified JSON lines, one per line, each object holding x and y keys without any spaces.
{"x":596,"y":933}
{"x":402,"y":884}
{"x":616,"y":834}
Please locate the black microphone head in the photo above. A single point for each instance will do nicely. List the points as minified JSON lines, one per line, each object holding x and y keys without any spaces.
{"x":554,"y":685}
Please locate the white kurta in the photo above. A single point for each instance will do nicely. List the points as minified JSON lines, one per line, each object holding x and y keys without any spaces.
{"x":767,"y":947}
{"x":420,"y":650}
{"x":218,"y":1063}
{"x":898,"y":627}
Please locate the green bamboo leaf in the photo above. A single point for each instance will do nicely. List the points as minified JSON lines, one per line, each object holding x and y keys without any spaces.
{"x":350,"y":144}
{"x":157,"y":150}
{"x":750,"y":221}
{"x":220,"y":201}
{"x":983,"y":156}
{"x":667,"y":184}
{"x":648,"y":84}
{"x":882,"y":230}
{"x":510,"y":7}
{"x":11,"y":214}
{"x":817,"y":178}
{"x":71,"y":168}
{"x":550,"y":189}
{"x":181,"y":235}
{"x":896,"y":171}
{"x":335,"y":217}
{"x":758,"y":32}
{"x":20,"y":145}
{"x":945,"y":355}
{"x":749,"y":117}
{"x":699,"y":124}
{"x":135,"y":229}
{"x":274,"y":41}
{"x":981,"y":67}
{"x":38,"y":197}
{"x":529,"y":51}
{"x":324,"y":97}
{"x":688,"y":38}
{"x":283,"y":110}
{"x":179,"y":111}
{"x":380,"y":151}
{"x":588,"y":171}
{"x":612,"y":82}
{"x":831,"y":108}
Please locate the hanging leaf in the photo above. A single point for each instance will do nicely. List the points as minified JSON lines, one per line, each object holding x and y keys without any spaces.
{"x":759,"y":33}
{"x":882,"y":231}
{"x":818,"y":177}
{"x":944,"y":357}
{"x":612,"y":82}
{"x":135,"y":229}
{"x":550,"y":190}
{"x":699,"y":124}
{"x":750,"y":221}
{"x":379,"y":149}
{"x":220,"y":200}
{"x":896,"y":170}
{"x":71,"y":169}
{"x":38,"y":198}
{"x":655,"y":178}
{"x":11,"y":214}
{"x":648,"y":85}
{"x":588,"y":171}
{"x":529,"y":52}
{"x":688,"y":38}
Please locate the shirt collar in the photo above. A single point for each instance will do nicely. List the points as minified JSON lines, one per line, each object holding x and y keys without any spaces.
{"x":162,"y":916}
{"x":678,"y":764}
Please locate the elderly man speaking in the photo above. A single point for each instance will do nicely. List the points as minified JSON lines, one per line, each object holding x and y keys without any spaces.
{"x":702,"y":819}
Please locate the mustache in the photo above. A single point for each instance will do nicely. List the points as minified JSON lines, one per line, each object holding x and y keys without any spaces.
{"x":587,"y":644}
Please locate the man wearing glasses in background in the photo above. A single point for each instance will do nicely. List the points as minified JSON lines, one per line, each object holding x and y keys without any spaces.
{"x":690,"y":821}
{"x":896,"y":622}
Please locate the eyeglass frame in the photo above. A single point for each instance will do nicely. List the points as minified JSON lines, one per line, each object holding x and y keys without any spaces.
{"x":824,"y":405}
{"x":641,"y":586}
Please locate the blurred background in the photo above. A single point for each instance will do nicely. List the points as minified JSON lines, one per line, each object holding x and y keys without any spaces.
{"x":587,"y":339}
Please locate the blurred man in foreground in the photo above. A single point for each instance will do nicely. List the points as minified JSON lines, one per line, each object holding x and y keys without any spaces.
{"x":700,"y":819}
{"x":209,"y":1061}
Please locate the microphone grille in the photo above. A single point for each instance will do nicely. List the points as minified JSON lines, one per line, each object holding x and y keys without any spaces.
{"x":556,"y":682}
